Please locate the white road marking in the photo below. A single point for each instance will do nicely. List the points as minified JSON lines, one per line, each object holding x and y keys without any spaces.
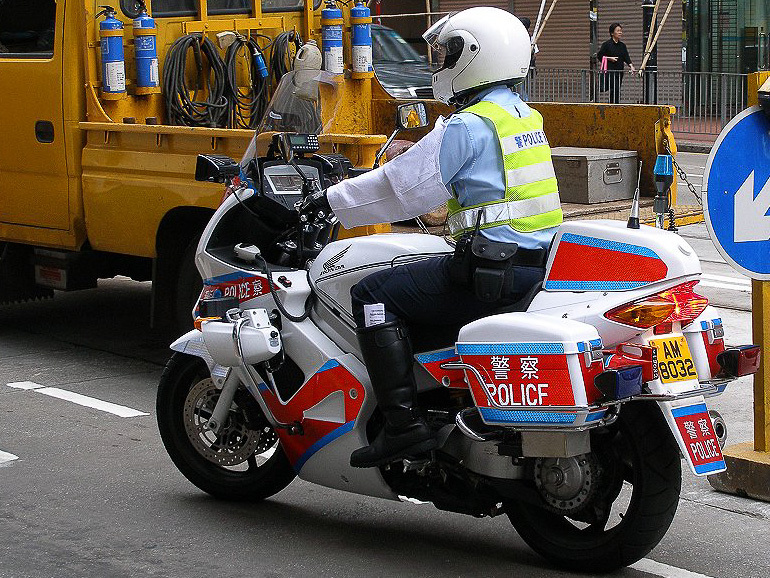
{"x":25,"y":385}
{"x":664,"y":570}
{"x":5,"y":457}
{"x":84,"y":400}
{"x":737,"y":280}
{"x":744,"y":288}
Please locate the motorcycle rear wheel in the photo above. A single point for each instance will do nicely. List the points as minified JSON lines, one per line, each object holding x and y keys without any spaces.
{"x":649,"y":473}
{"x":243,"y":463}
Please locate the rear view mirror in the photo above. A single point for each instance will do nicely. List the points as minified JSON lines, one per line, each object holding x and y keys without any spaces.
{"x":412,"y":115}
{"x":216,"y":168}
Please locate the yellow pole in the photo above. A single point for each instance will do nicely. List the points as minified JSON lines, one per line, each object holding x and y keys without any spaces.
{"x":760,"y":306}
{"x":748,"y":466}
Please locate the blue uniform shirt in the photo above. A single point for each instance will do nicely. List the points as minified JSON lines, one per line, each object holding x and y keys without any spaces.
{"x":471,"y":163}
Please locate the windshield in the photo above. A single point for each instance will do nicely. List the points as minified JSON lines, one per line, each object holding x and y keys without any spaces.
{"x":296,"y":105}
{"x":388,"y":46}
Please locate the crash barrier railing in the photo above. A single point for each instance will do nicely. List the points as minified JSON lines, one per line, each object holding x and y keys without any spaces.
{"x":705,"y":102}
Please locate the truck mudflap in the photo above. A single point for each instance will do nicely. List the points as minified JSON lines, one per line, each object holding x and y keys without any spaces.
{"x":693,"y":430}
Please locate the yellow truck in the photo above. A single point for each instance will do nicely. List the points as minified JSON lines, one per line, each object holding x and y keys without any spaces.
{"x":95,"y":183}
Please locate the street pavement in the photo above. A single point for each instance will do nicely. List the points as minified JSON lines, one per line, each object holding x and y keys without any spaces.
{"x":93,"y":494}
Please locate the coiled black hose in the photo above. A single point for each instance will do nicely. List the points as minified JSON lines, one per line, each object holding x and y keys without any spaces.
{"x":180,"y":107}
{"x":281,"y":58}
{"x":245,"y":107}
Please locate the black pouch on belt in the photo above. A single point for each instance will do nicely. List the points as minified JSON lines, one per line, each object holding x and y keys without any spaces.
{"x":493,"y":268}
{"x":461,"y":266}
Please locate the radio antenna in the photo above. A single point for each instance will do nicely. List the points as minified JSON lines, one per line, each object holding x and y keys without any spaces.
{"x":633,"y":219}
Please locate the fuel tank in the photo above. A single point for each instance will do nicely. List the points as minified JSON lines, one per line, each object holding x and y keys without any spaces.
{"x":344,"y":263}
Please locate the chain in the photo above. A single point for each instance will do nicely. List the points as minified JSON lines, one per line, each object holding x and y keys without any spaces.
{"x":682,"y":175}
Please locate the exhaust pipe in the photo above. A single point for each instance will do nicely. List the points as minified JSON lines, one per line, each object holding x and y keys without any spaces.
{"x":720,"y":427}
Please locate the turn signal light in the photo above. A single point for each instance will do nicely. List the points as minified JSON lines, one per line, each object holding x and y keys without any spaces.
{"x":680,"y":303}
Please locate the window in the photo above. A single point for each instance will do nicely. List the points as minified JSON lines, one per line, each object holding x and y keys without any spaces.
{"x":27,"y":28}
{"x":161,"y":8}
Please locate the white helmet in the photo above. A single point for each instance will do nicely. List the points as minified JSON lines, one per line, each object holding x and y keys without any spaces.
{"x":481,"y":47}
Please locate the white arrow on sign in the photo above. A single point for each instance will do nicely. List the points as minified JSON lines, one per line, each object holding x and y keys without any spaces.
{"x":750,"y":222}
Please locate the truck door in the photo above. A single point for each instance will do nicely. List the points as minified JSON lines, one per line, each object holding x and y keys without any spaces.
{"x":33,"y":168}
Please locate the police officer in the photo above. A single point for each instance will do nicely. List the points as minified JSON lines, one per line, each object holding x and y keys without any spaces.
{"x":491,"y":162}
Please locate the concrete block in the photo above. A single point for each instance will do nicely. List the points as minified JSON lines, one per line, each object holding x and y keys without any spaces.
{"x":747,"y":475}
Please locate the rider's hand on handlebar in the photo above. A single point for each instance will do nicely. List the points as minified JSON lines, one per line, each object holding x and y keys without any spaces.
{"x":316,"y":201}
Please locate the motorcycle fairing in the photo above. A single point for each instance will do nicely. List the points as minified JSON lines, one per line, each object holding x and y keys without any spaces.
{"x":432,"y":361}
{"x":604,"y":255}
{"x":325,"y":407}
{"x":342,"y":264}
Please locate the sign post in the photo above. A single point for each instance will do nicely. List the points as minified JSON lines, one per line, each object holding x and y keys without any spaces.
{"x":737,"y":211}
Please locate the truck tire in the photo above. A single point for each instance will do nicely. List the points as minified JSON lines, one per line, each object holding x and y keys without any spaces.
{"x":188,"y":288}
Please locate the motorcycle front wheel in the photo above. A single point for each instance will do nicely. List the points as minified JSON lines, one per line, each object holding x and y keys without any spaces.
{"x":244,"y":462}
{"x":632,"y":479}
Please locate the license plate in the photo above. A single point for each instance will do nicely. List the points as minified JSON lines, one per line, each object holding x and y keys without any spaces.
{"x":674,"y":359}
{"x":697,"y":431}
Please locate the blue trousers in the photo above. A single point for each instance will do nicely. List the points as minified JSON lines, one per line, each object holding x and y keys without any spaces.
{"x":432,"y":306}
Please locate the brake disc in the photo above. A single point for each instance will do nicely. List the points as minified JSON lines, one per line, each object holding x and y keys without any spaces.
{"x":567,"y":484}
{"x":235,"y":442}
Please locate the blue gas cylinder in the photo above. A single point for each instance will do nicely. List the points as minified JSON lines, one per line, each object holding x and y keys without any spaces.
{"x":113,"y":66}
{"x":361,"y":22}
{"x":146,"y":52}
{"x":331,"y":38}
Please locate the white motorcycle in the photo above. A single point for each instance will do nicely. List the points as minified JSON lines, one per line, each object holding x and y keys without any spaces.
{"x":567,"y":411}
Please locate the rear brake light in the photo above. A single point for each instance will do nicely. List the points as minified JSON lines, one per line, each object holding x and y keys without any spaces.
{"x":680,"y":303}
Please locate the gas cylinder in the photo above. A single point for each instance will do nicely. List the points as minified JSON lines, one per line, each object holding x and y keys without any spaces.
{"x":331,"y":38}
{"x":145,"y":49}
{"x":361,"y":22}
{"x":113,"y":66}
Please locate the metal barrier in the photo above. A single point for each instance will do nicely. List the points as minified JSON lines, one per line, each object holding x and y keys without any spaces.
{"x":705,"y":102}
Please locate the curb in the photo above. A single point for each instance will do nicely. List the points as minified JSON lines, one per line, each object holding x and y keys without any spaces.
{"x":693,"y":147}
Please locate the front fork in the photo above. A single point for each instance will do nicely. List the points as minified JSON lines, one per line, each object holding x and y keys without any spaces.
{"x":235,"y":376}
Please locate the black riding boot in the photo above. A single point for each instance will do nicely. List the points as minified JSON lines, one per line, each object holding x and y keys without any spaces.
{"x":387,"y":354}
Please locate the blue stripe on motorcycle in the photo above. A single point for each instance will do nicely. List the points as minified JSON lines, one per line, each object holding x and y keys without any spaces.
{"x":328,"y":438}
{"x":610,"y":245}
{"x":706,"y":468}
{"x":226,"y":278}
{"x":331,"y":364}
{"x":436,"y":356}
{"x":594,"y":416}
{"x":556,"y":285}
{"x":510,"y":348}
{"x":514,"y":416}
{"x":689,"y":410}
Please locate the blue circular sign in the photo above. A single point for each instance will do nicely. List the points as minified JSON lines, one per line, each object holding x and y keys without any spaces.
{"x":736,"y":198}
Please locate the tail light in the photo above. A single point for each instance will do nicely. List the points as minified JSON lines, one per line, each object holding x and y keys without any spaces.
{"x":680,"y":303}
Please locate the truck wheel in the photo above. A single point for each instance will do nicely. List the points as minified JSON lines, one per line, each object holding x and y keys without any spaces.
{"x":622,"y":505}
{"x":244,"y":462}
{"x":188,"y":288}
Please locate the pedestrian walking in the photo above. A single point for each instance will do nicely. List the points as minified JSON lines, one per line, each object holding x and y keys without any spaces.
{"x":616,"y":53}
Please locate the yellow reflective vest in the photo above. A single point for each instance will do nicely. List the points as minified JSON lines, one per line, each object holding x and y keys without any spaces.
{"x":531,"y":200}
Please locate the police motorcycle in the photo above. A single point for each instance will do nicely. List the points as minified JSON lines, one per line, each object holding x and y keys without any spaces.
{"x":567,"y":411}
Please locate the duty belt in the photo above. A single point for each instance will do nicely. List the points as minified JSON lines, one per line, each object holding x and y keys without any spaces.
{"x":501,"y":213}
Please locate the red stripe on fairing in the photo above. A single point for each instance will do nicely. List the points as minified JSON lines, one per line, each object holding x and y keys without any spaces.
{"x":316,"y":389}
{"x":585,"y":263}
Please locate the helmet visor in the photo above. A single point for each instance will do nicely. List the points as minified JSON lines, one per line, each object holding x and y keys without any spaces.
{"x":432,"y":34}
